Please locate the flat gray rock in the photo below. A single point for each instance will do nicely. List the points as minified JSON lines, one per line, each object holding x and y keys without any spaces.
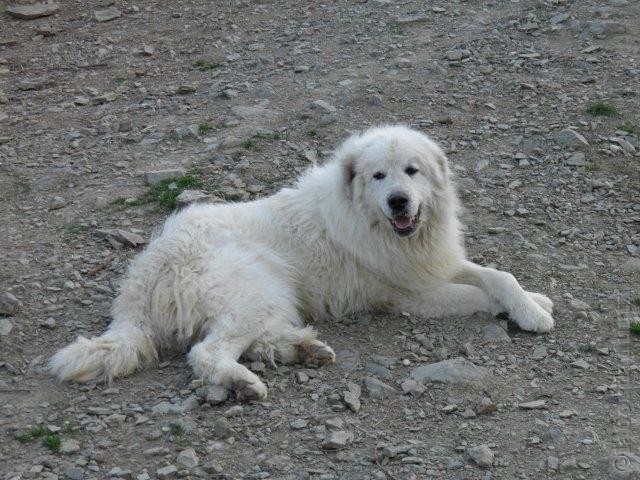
{"x":377,"y":389}
{"x":124,"y":237}
{"x":5,"y":327}
{"x":570,"y":138}
{"x":188,"y":458}
{"x":188,"y":197}
{"x":482,"y":455}
{"x":158,"y":176}
{"x":107,"y":14}
{"x":169,"y":471}
{"x":455,"y":371}
{"x":36,"y":10}
{"x":8,"y":303}
{"x":213,"y":394}
{"x":257,"y":115}
{"x":337,"y":440}
{"x":576,"y":160}
{"x":534,"y":405}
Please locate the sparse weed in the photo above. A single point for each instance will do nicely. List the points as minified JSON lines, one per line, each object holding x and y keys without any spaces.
{"x":602,"y":109}
{"x":634,"y":327}
{"x":69,"y":429}
{"x":586,"y":347}
{"x":268,"y":136}
{"x":52,"y":442}
{"x":204,"y":128}
{"x":249,"y":144}
{"x":592,"y":167}
{"x":179,"y":435}
{"x":166,"y":192}
{"x":176,"y":429}
{"x":77,"y":228}
{"x":395,"y":28}
{"x":627,"y":128}
{"x":33,"y":433}
{"x":204,"y":65}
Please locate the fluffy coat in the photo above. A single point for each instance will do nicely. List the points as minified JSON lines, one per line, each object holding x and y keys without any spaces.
{"x":242,"y":278}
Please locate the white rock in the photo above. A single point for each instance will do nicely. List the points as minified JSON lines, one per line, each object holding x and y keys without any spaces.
{"x":336,"y":440}
{"x":167,"y":472}
{"x":28,"y":12}
{"x":533,"y":405}
{"x":456,"y":371}
{"x":570,"y":138}
{"x":8,"y":303}
{"x":482,"y":455}
{"x":69,"y":446}
{"x":5,"y":327}
{"x":188,"y":458}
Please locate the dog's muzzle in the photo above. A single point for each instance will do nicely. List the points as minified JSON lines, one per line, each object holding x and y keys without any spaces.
{"x":405,"y":225}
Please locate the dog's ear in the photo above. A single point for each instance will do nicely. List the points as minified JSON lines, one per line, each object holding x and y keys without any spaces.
{"x":349,"y":169}
{"x":348,"y":164}
{"x":441,"y":162}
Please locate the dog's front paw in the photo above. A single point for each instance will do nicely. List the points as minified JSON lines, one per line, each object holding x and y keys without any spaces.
{"x":246,"y":391}
{"x":533,"y":318}
{"x":317,"y":353}
{"x":542,"y":300}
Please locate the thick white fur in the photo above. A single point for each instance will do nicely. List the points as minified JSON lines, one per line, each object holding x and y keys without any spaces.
{"x":240,"y":278}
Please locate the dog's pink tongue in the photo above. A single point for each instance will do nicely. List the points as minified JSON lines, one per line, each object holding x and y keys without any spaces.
{"x":402,"y":222}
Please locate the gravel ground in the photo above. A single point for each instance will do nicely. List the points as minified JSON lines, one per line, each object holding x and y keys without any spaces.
{"x":536,"y":103}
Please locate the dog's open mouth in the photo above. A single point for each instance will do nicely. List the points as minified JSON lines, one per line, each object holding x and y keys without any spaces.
{"x":405,"y":225}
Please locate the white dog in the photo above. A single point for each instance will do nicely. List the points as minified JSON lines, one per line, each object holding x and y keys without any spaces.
{"x":376,"y":227}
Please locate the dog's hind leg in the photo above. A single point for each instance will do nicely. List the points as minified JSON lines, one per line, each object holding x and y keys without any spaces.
{"x":531,"y":311}
{"x":248,"y":297}
{"x":215,"y":359}
{"x":293,"y":344}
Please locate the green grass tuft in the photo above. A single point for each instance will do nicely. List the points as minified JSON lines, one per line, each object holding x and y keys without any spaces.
{"x":602,"y":109}
{"x":268,"y":136}
{"x":33,"y":433}
{"x":204,"y":65}
{"x":634,"y":327}
{"x":204,"y":128}
{"x":52,"y":442}
{"x":69,"y":429}
{"x":627,"y":128}
{"x":166,"y":192}
{"x":77,"y":228}
{"x":592,"y":167}
{"x":395,"y":28}
{"x":312,"y":133}
{"x":176,"y":429}
{"x":249,"y":144}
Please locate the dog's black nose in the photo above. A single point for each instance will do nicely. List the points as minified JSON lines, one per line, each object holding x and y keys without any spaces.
{"x":398,"y":202}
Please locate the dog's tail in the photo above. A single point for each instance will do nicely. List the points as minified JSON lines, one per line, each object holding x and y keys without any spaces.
{"x":116,"y":353}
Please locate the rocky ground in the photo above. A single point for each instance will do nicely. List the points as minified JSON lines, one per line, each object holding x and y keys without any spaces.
{"x":536,"y":103}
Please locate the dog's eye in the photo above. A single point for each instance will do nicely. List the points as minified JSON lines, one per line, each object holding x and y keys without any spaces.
{"x":411,"y":171}
{"x":379,"y":175}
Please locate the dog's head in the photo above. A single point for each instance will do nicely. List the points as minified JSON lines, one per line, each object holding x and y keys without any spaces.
{"x":393,"y":175}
